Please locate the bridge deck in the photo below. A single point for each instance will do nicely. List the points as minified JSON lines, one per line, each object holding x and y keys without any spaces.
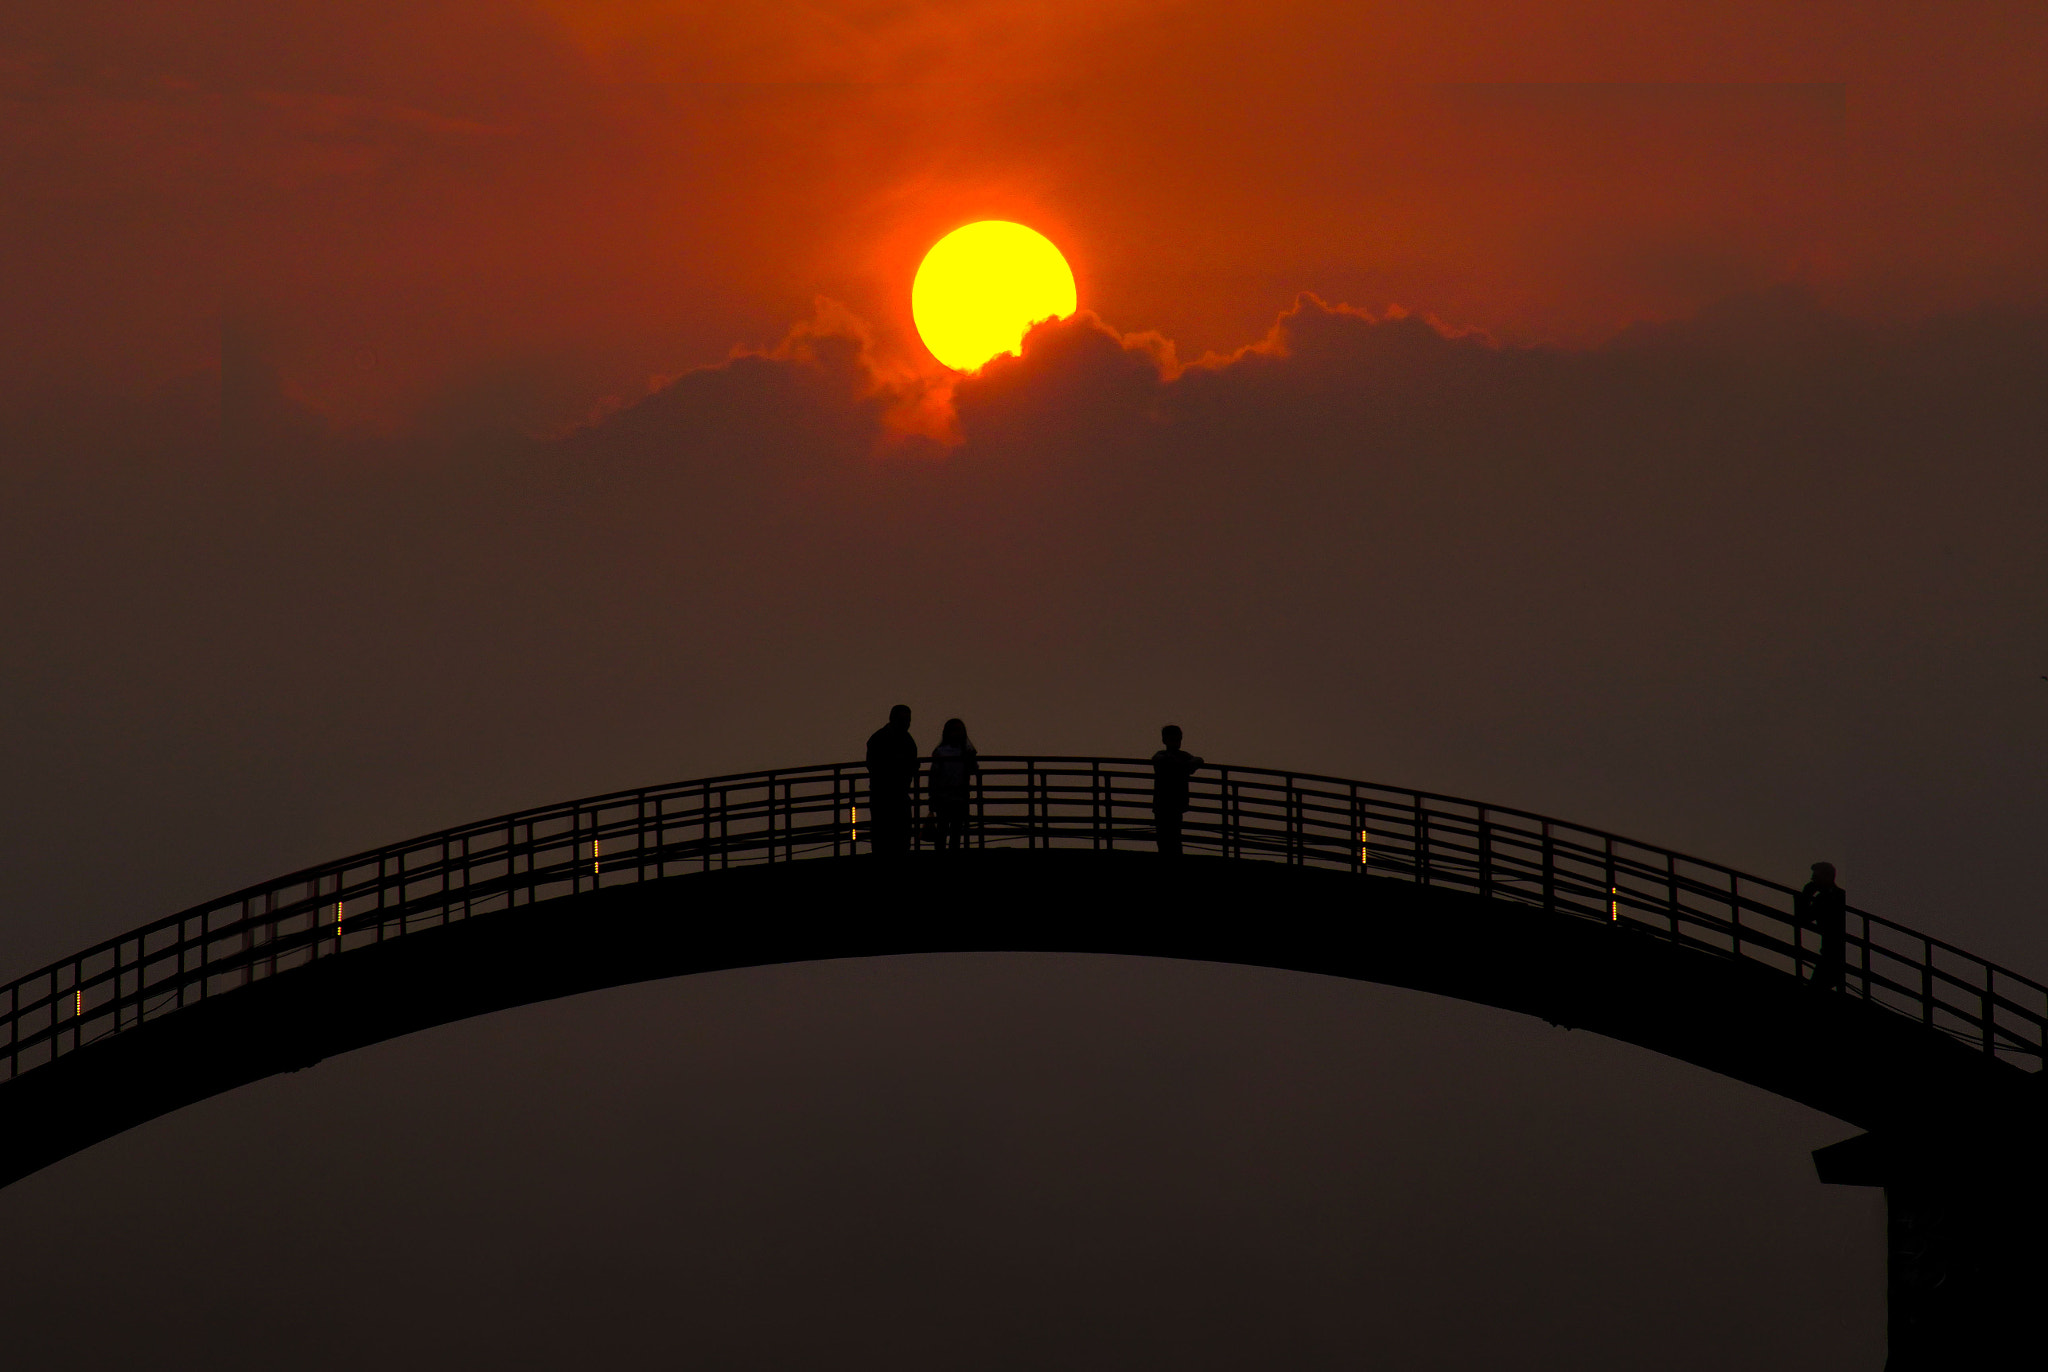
{"x":1936,"y":1050}
{"x":1837,"y":1053}
{"x":1097,"y":804}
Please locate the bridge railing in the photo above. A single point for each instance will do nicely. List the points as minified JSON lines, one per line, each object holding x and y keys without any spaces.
{"x":1246,"y":813}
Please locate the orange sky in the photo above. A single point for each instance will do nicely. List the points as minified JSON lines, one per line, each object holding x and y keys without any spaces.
{"x":424,"y":208}
{"x":291,"y":287}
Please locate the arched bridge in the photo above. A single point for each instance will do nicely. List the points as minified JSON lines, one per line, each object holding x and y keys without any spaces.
{"x":1935,"y":1051}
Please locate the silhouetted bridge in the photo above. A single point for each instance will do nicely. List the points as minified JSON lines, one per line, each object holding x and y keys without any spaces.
{"x":1937,"y":1053}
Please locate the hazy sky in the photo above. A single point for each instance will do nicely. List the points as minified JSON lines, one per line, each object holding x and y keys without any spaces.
{"x":412,"y":412}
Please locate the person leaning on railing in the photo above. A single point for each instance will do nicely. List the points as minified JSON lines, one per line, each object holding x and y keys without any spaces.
{"x":1823,"y":906}
{"x":1171,"y":768}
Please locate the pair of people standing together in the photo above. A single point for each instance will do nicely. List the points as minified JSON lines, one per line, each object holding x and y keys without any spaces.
{"x":892,"y":782}
{"x":892,"y":779}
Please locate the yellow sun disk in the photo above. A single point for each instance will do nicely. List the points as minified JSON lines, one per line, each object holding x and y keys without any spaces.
{"x":982,"y":287}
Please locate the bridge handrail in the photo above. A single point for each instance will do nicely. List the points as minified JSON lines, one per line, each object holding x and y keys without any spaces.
{"x":1300,"y":818}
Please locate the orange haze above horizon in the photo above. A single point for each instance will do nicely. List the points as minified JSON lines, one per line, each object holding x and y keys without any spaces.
{"x":504,"y":213}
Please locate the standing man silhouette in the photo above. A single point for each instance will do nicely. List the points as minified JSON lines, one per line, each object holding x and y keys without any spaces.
{"x":1171,"y":769}
{"x":1824,"y":906}
{"x":892,"y":782}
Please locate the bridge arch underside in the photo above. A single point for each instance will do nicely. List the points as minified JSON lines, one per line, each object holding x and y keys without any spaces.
{"x":1865,"y":1065}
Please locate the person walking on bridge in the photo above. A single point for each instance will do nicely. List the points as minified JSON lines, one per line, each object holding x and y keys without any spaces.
{"x":892,"y":782}
{"x":1171,"y":768}
{"x":1823,"y":906}
{"x":953,"y":767}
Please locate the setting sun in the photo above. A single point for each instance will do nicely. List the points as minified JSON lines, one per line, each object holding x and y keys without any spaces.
{"x":982,"y":286}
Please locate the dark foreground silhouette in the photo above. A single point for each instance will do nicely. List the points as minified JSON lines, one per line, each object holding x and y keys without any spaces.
{"x":1171,"y":769}
{"x":1823,"y":908}
{"x":1918,"y":1042}
{"x":892,"y":782}
{"x":952,"y":774}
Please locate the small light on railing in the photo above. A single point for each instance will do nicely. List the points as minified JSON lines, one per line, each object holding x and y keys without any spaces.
{"x":1614,"y":905}
{"x":856,"y":824}
{"x":78,"y":1006}
{"x":595,"y":866}
{"x":338,"y":905}
{"x":1364,"y":850}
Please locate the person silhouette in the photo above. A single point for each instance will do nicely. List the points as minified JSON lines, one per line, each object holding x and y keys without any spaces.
{"x":953,"y":765}
{"x":892,"y":782}
{"x":1824,"y":906}
{"x":1171,"y":768}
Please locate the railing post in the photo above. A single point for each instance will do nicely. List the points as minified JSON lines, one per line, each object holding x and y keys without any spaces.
{"x":1109,"y":811}
{"x":1927,"y":981}
{"x":1613,"y":886}
{"x":1671,"y":891}
{"x":447,"y":873}
{"x":1226,"y":814}
{"x":1363,"y":862}
{"x":1032,"y":837}
{"x":1095,"y":803}
{"x":1735,"y":910}
{"x":1421,"y":840}
{"x":1045,"y":829}
{"x":1291,"y":806}
{"x":1798,"y":943}
{"x":1866,"y":957}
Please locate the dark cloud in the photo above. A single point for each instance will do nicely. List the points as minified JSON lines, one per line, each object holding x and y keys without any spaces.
{"x":1766,"y":584}
{"x":1711,"y":569}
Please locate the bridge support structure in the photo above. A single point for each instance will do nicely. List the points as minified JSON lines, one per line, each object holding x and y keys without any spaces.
{"x":1966,"y":1242}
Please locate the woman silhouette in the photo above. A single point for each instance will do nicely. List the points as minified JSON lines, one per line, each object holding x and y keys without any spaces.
{"x":953,"y":764}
